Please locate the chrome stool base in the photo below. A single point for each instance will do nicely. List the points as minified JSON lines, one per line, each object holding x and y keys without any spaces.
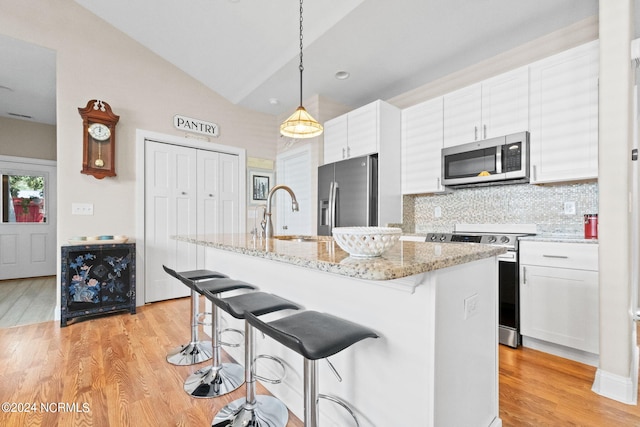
{"x":266,"y":412}
{"x":191,"y":354}
{"x":208,"y":382}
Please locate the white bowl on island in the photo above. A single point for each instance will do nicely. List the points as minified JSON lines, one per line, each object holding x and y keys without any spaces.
{"x":366,"y":242}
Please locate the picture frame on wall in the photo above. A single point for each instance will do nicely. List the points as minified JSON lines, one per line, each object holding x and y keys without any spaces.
{"x":260,"y":182}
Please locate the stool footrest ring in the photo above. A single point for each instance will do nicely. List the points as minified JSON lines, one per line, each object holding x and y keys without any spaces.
{"x":342,"y":403}
{"x":200,"y":318}
{"x":228,"y":344}
{"x":274,"y":359}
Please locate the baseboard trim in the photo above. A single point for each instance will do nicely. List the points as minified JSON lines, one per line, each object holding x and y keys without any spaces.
{"x":617,"y":387}
{"x":561,"y":351}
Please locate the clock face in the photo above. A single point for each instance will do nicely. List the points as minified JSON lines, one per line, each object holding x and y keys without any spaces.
{"x":99,"y":132}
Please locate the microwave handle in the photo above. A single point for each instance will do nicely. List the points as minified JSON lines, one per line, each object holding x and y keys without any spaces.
{"x":499,"y":159}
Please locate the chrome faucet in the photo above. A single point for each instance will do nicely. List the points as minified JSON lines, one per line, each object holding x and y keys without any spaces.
{"x":266,"y":221}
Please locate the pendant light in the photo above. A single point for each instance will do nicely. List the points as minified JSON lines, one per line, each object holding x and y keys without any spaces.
{"x":300,"y":124}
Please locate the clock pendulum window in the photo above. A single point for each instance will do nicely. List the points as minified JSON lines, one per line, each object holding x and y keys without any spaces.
{"x":99,"y":139}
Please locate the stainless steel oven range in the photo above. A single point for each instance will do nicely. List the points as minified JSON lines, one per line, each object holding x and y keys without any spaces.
{"x":508,"y":277}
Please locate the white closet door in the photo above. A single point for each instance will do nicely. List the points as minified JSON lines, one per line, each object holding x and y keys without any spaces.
{"x":229,"y":194}
{"x":294,"y":170}
{"x":170,"y":209}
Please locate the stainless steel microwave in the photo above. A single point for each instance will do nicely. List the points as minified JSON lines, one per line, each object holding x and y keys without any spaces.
{"x":500,"y":160}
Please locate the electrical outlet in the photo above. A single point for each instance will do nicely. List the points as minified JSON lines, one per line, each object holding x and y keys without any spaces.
{"x":81,"y":208}
{"x":437,"y":212}
{"x":470,"y":306}
{"x":569,"y":208}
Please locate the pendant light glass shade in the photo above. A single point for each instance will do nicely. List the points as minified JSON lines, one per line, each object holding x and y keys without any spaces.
{"x":300,"y":125}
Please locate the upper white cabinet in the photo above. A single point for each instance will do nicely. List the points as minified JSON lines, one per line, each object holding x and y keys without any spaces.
{"x":495,"y":107}
{"x":559,"y":293}
{"x":564,"y":116}
{"x":335,"y":139}
{"x":373,"y":128}
{"x":361,"y":131}
{"x":421,"y":145}
{"x":462,"y":115}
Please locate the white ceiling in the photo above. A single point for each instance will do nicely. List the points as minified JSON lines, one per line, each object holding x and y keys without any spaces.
{"x":247,"y":50}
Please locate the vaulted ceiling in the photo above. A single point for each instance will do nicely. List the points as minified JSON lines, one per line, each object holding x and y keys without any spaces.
{"x":248,"y":51}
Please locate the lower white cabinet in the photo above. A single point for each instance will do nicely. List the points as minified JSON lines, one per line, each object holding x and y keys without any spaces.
{"x":559,"y":293}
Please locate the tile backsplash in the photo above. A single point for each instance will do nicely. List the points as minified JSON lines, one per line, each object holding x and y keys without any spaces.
{"x":543,"y":205}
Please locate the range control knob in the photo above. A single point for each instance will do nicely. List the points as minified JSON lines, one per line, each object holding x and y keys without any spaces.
{"x":492,"y":239}
{"x":433,"y":238}
{"x":504,"y":239}
{"x":443,"y":238}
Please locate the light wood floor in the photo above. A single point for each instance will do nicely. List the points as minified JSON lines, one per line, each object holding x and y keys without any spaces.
{"x":116,"y":366}
{"x":27,"y":301}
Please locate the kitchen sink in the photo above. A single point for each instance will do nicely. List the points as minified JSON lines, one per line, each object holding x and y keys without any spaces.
{"x":298,"y":238}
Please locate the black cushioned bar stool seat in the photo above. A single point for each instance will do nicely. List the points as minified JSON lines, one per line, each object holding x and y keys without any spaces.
{"x":313,"y":335}
{"x":198,"y":351}
{"x":253,"y":410}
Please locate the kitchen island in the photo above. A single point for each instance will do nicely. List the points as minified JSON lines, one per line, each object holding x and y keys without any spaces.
{"x":434,"y":307}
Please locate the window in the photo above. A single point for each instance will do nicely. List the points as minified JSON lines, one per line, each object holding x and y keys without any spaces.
{"x":23,"y":197}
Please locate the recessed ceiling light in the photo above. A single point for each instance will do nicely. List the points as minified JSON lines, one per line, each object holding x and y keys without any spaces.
{"x":274,"y":101}
{"x":342,"y":75}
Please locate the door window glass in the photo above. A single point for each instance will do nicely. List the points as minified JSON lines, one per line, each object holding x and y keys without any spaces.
{"x":23,"y":198}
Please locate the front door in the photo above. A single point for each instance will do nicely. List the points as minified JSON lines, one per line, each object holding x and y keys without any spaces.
{"x":28,"y":220}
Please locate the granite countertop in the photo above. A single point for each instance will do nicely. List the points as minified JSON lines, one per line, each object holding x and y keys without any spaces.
{"x":560,"y":238}
{"x":406,"y":258}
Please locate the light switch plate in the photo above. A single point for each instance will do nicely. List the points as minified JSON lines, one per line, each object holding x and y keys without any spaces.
{"x":81,"y":208}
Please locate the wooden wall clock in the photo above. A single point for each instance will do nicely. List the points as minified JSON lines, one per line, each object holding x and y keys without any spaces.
{"x":99,"y":139}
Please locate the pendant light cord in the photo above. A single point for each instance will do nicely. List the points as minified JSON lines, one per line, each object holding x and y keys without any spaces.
{"x":301,"y":66}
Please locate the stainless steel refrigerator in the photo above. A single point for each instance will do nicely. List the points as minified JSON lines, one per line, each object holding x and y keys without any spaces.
{"x":348,"y":194}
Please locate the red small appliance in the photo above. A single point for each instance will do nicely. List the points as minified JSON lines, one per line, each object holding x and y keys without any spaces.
{"x":591,"y":226}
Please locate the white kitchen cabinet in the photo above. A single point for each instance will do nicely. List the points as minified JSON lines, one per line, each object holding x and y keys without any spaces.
{"x":494,"y":107}
{"x":564,"y":116}
{"x":362,"y":131}
{"x":462,"y":115}
{"x":335,"y":139}
{"x":421,"y":148}
{"x":559,"y":294}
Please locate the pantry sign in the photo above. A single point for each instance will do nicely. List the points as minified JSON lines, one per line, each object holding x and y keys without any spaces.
{"x":195,"y":125}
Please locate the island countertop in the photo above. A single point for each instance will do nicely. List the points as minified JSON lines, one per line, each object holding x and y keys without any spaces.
{"x":406,"y":258}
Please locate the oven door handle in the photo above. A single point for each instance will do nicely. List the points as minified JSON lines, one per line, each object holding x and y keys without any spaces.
{"x":507,"y":257}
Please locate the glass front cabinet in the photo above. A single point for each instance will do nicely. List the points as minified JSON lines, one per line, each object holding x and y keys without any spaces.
{"x":96,"y":279}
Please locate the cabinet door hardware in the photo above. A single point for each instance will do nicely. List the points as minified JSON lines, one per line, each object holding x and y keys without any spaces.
{"x":555,"y":256}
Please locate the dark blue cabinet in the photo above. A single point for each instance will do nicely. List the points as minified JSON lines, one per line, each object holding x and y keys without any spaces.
{"x":97,"y":279}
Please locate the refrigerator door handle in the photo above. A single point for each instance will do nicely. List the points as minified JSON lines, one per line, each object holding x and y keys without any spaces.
{"x":332,"y":205}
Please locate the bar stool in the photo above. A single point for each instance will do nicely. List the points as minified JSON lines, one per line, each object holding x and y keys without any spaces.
{"x":253,"y":410}
{"x":198,"y":351}
{"x":315,"y":336}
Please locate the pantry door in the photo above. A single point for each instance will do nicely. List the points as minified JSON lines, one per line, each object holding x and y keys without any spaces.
{"x":170,"y":209}
{"x":218,"y":199}
{"x":188,"y":191}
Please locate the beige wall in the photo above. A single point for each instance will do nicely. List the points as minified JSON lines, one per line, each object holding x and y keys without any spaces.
{"x":143,"y":89}
{"x":22,"y":138}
